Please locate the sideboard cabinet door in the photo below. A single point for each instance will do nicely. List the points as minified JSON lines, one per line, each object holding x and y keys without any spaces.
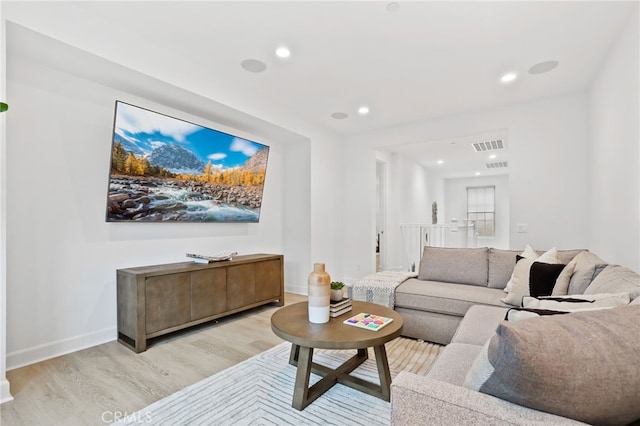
{"x":168,"y":301}
{"x":208,"y":292}
{"x":268,"y":279}
{"x":241,"y":285}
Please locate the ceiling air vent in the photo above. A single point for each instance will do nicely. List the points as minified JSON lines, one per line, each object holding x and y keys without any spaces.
{"x":488,"y":145}
{"x":496,"y":165}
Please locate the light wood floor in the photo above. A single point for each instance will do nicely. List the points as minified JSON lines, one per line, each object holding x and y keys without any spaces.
{"x":95,"y":385}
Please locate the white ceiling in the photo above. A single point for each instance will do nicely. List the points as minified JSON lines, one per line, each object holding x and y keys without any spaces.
{"x":424,"y":60}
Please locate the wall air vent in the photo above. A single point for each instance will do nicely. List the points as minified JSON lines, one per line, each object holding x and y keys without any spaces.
{"x":488,"y":145}
{"x":496,"y":165}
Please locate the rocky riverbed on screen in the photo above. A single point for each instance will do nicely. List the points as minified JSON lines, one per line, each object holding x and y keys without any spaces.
{"x":157,"y":199}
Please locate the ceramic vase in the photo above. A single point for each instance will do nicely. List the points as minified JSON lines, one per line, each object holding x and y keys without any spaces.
{"x":319,"y":292}
{"x":336,"y":295}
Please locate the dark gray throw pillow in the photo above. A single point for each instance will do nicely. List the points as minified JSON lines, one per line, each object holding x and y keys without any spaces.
{"x":581,"y":365}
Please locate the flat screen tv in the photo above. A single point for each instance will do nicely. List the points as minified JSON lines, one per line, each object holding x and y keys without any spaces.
{"x":164,"y":169}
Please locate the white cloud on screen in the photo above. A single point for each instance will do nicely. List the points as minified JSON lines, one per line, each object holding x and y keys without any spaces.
{"x":243,"y":146}
{"x":217,"y":156}
{"x":136,"y":120}
{"x":122,"y":134}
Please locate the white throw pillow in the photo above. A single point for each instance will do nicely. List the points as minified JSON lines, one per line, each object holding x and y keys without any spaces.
{"x":562,"y":283}
{"x":550,"y":256}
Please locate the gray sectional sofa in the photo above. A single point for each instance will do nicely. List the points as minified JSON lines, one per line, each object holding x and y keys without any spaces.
{"x":456,"y":300}
{"x":449,"y":282}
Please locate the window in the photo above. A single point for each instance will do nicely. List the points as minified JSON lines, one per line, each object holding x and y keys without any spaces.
{"x":481,"y":209}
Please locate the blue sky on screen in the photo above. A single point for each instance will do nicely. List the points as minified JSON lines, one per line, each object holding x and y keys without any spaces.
{"x":148,"y":130}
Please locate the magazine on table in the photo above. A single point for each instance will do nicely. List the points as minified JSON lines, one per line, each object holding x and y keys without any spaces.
{"x":368,"y":321}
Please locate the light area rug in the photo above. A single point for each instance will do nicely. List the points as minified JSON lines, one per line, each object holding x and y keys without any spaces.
{"x":259,"y":391}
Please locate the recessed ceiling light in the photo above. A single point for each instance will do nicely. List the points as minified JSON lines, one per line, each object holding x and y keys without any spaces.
{"x":393,"y":6}
{"x":508,"y":77}
{"x":363,"y":110}
{"x":440,"y":161}
{"x":339,"y":115}
{"x":283,"y":52}
{"x":492,"y":156}
{"x":477,"y":173}
{"x":253,"y":65}
{"x":542,"y":67}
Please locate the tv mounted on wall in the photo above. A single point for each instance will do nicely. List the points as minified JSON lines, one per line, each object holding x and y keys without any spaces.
{"x":171,"y":170}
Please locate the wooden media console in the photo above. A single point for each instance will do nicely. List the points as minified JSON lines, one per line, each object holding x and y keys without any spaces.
{"x":159,"y":299}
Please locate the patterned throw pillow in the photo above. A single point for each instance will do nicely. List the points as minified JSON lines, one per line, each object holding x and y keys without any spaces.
{"x":532,"y":278}
{"x":552,"y":305}
{"x":577,"y":302}
{"x":550,"y":256}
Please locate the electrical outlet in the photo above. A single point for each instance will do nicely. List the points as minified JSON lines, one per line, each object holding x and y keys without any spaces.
{"x":522,"y":228}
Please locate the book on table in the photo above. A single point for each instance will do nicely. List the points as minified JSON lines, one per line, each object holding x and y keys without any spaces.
{"x":201,"y":258}
{"x":336,"y":306}
{"x":342,"y":311}
{"x":368,"y":321}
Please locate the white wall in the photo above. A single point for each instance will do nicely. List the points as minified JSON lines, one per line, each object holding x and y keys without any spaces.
{"x":615,"y":150}
{"x":456,"y":205}
{"x":62,"y":254}
{"x":5,"y":394}
{"x":411,"y":184}
{"x":549,"y":165}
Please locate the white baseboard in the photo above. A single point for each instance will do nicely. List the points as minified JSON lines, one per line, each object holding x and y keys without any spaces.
{"x":46,"y":351}
{"x":5,"y":394}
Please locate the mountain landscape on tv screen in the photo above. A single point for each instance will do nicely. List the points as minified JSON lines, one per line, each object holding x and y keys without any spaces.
{"x":165,"y":169}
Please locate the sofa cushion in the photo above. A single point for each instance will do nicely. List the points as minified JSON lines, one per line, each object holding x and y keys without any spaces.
{"x":532,"y":278}
{"x":454,"y":362}
{"x":454,"y":265}
{"x":581,"y":365}
{"x":613,"y":279}
{"x":479,"y":324}
{"x":587,"y":267}
{"x":443,"y":297}
{"x":501,"y":263}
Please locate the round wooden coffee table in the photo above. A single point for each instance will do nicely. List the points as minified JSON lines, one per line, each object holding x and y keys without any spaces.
{"x":292,"y":324}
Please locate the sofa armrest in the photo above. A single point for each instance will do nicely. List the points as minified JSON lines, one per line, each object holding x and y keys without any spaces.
{"x":420,"y":400}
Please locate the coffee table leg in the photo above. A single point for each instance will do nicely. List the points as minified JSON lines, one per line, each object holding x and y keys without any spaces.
{"x":301,"y":387}
{"x":293,"y":356}
{"x":383,"y":371}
